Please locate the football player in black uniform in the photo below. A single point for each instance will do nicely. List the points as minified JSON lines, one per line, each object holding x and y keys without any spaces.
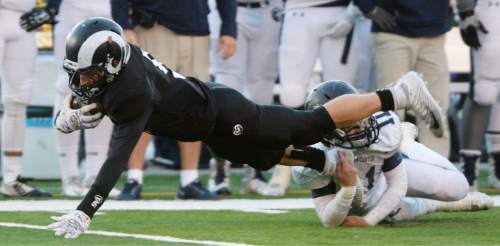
{"x":140,"y":94}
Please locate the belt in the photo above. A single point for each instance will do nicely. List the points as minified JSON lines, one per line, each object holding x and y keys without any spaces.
{"x":253,"y":5}
{"x":334,"y":3}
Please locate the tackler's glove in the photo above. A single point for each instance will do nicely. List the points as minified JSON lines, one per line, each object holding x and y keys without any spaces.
{"x":68,"y":119}
{"x":36,"y":17}
{"x":469,"y":28}
{"x":70,"y":225}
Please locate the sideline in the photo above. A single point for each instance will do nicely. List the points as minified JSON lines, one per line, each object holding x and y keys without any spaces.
{"x":129,"y":235}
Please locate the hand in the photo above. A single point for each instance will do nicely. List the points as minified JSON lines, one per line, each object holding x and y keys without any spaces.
{"x":469,"y":27}
{"x":70,"y":225}
{"x":227,"y":45}
{"x":344,"y":24}
{"x":383,"y":18}
{"x":345,"y":173}
{"x":36,"y":17}
{"x":69,"y":120}
{"x":354,"y":221}
{"x":131,"y":36}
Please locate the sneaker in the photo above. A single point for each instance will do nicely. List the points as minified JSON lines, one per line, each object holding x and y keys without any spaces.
{"x":219,"y":181}
{"x":20,"y":187}
{"x":73,"y":187}
{"x":114,"y":193}
{"x":253,"y":181}
{"x":195,"y":191}
{"x":280,"y":181}
{"x":414,"y":95}
{"x":131,"y":191}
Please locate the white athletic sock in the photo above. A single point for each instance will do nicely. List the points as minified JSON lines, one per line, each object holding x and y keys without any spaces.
{"x":13,"y":132}
{"x":135,"y":174}
{"x":188,"y":176}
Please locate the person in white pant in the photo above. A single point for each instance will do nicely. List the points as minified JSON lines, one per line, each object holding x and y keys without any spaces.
{"x":252,"y":71}
{"x":96,"y":140}
{"x":312,"y":29}
{"x":17,"y":62}
{"x":480,"y":28}
{"x":392,"y":169}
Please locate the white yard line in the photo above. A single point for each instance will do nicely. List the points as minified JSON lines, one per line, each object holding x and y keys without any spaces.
{"x":129,"y":235}
{"x":264,"y":206}
{"x":245,"y":205}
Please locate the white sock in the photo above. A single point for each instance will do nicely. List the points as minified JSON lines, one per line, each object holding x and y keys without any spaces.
{"x":188,"y":176}
{"x":135,"y":174}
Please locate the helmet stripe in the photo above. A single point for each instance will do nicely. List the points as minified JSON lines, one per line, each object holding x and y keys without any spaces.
{"x":88,"y":48}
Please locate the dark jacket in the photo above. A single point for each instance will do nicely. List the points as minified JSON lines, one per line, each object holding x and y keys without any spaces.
{"x":414,"y":18}
{"x":185,"y":17}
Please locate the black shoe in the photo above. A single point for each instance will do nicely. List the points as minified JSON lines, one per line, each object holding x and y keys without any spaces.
{"x":196,"y":191}
{"x":131,"y":191}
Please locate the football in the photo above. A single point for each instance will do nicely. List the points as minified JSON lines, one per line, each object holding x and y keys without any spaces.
{"x":76,"y":103}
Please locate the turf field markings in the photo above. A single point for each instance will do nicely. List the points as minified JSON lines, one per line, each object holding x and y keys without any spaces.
{"x":130,"y":235}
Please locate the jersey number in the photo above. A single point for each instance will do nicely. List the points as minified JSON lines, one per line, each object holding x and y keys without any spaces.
{"x":161,"y":66}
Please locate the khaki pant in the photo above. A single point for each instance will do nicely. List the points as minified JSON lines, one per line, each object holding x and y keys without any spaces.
{"x":395,"y":55}
{"x":187,"y":55}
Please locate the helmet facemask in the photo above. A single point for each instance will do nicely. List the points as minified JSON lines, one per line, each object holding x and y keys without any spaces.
{"x":360,"y":135}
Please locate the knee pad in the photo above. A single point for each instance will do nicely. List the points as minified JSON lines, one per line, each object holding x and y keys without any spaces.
{"x":485,"y":93}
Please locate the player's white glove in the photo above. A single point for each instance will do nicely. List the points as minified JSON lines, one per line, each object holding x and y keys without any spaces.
{"x":344,"y":23}
{"x":70,"y":225}
{"x":69,"y":120}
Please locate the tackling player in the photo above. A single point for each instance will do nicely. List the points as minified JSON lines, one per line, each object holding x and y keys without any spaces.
{"x":390,"y":168}
{"x":140,"y":94}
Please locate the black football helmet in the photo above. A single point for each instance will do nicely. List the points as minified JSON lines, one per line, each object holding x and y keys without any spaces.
{"x":360,"y":135}
{"x":95,"y":44}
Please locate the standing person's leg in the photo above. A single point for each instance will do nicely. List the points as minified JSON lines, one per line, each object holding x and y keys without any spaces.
{"x":262,"y":74}
{"x":97,"y":142}
{"x":433,"y":65}
{"x":17,"y":63}
{"x":394,"y":56}
{"x":151,"y":40}
{"x":233,"y":73}
{"x":298,"y":52}
{"x":135,"y":173}
{"x":66,"y":144}
{"x":493,"y":137}
{"x":339,"y":56}
{"x":193,"y":61}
